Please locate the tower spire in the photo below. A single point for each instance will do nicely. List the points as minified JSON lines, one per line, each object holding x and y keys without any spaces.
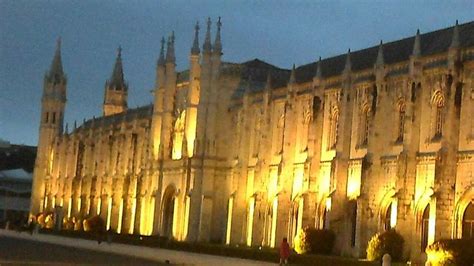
{"x":170,"y":57}
{"x":455,"y":38}
{"x":292,"y":75}
{"x":318,"y":69}
{"x":268,"y":84}
{"x":195,"y":49}
{"x":117,"y":81}
{"x":56,"y":73}
{"x":416,"y":44}
{"x":207,"y":47}
{"x":380,"y":60}
{"x":348,"y":66}
{"x":161,"y":59}
{"x":217,"y":42}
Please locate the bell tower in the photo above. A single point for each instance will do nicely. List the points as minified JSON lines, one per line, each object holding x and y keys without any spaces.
{"x":116,"y":90}
{"x":53,"y":103}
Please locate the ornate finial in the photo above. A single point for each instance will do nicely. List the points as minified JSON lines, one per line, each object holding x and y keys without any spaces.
{"x":217,"y":42}
{"x":318,"y":69}
{"x":119,"y":52}
{"x":207,"y":47}
{"x":117,"y":81}
{"x":455,"y":38}
{"x":348,"y":66}
{"x":170,"y":58}
{"x":161,"y":59}
{"x":380,"y":59}
{"x":416,"y":44}
{"x":56,"y":73}
{"x":75,"y":125}
{"x":195,"y":49}
{"x":66,"y":130}
{"x":268,"y":84}
{"x":292,"y":75}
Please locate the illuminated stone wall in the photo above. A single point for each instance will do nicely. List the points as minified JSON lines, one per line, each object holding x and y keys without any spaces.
{"x":249,"y":153}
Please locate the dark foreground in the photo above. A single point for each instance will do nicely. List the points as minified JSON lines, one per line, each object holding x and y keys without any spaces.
{"x":15,"y":251}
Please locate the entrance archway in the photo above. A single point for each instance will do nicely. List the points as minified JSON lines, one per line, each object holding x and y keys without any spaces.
{"x":425,"y":228}
{"x":168,"y":211}
{"x":468,"y":222}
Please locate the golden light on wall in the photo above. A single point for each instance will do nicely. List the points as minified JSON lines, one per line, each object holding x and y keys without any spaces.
{"x":432,"y":222}
{"x":178,"y":137}
{"x":174,"y":230}
{"x":251,"y":210}
{"x":120,"y":217}
{"x":151,"y":215}
{"x":186,"y":217}
{"x":191,"y":130}
{"x":230,"y":209}
{"x":272,"y":183}
{"x":46,"y":202}
{"x":50,"y":161}
{"x":132,"y":216}
{"x":250,"y":182}
{"x":53,"y":201}
{"x":61,"y":202}
{"x":354,"y":179}
{"x":328,"y":203}
{"x":274,"y":222}
{"x":298,"y":181}
{"x":393,"y":213}
{"x":69,"y":207}
{"x":109,"y":211}
{"x":79,"y":204}
{"x":324,"y":181}
{"x":143,"y":220}
{"x":99,"y":205}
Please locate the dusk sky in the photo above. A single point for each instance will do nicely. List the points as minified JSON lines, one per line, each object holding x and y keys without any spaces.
{"x":279,"y":32}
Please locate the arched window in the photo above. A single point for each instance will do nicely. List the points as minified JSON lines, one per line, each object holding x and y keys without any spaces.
{"x":468,"y":222}
{"x":387,"y":218}
{"x":364,"y":126}
{"x":333,"y":128}
{"x":401,"y":121}
{"x":438,"y":104}
{"x":178,"y":136}
{"x":425,"y":228}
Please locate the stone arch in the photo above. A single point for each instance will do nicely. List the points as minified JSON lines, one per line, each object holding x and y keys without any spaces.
{"x":168,"y":211}
{"x":460,"y":208}
{"x":296,"y":218}
{"x":322,"y":209}
{"x":385,"y":206}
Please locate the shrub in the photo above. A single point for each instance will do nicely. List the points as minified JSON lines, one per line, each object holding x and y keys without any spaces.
{"x":68,"y":223}
{"x":316,"y":241}
{"x":94,"y":224}
{"x":77,"y":223}
{"x":390,"y":242}
{"x":446,"y":252}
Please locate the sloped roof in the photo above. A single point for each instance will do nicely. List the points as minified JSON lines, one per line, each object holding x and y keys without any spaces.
{"x":432,"y":43}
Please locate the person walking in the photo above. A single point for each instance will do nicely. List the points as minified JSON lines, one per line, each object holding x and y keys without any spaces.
{"x":284,"y":252}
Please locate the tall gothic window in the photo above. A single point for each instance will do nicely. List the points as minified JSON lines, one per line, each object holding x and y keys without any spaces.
{"x":178,"y":136}
{"x":364,"y":126}
{"x":424,"y":228}
{"x":468,"y":222}
{"x":438,"y":104}
{"x":80,"y":159}
{"x":401,"y":121}
{"x":333,"y":128}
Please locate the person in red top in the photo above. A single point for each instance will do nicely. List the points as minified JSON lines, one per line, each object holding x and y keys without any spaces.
{"x":284,"y":252}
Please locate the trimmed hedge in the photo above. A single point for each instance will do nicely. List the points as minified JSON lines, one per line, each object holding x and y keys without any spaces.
{"x":446,"y":252}
{"x":390,"y":242}
{"x":315,"y":241}
{"x":251,"y":253}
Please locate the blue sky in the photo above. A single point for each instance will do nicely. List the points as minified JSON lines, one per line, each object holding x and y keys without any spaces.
{"x":280,"y":32}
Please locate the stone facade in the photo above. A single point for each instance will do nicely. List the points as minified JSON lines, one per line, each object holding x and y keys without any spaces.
{"x":250,"y":153}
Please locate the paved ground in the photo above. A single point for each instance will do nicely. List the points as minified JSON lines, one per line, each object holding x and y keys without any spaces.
{"x":17,"y":251}
{"x":146,"y":254}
